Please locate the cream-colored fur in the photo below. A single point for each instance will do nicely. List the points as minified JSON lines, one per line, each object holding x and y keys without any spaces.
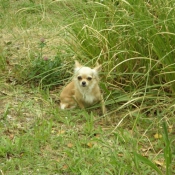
{"x":84,"y":90}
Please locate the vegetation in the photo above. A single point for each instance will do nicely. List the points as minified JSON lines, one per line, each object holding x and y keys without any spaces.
{"x":133,"y":40}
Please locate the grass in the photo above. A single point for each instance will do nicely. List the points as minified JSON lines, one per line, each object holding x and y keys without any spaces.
{"x":134,"y":41}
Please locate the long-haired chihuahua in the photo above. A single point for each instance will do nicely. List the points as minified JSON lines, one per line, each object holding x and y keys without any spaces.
{"x":83,"y":90}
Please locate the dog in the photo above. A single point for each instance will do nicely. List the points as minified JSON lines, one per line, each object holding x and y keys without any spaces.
{"x":83,"y":90}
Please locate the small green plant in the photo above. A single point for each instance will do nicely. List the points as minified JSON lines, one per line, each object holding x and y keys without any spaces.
{"x":45,"y":71}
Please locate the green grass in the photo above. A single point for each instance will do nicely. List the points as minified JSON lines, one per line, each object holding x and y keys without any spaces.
{"x":134,"y":42}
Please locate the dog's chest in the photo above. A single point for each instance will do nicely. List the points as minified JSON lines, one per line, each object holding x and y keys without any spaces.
{"x":88,"y":98}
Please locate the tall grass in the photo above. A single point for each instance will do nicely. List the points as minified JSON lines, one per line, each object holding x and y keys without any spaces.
{"x":134,"y":40}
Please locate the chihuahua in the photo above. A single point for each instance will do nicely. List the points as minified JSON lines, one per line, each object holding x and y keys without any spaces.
{"x":84,"y":90}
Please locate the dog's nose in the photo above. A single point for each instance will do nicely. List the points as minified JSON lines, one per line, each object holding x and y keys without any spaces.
{"x":83,"y":83}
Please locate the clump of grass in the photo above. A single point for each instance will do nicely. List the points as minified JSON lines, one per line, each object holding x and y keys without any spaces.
{"x":5,"y":4}
{"x":45,"y":71}
{"x":42,"y":70}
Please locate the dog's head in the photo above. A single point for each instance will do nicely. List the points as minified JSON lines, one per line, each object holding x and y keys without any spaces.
{"x":85,"y":76}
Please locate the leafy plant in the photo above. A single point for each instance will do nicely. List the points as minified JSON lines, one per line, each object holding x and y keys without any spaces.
{"x":45,"y":71}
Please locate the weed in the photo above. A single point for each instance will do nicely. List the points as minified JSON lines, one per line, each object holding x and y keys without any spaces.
{"x":44,"y":71}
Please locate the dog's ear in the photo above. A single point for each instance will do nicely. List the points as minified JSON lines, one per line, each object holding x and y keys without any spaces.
{"x":77,"y":64}
{"x":98,"y":67}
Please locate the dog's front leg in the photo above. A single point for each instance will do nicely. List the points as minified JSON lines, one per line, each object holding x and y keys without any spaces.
{"x":80,"y":104}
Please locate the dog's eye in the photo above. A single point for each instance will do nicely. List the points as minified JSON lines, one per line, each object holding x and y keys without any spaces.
{"x":79,"y":78}
{"x":89,"y":78}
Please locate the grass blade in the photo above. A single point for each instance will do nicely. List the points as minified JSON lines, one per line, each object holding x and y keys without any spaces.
{"x":147,"y":162}
{"x":167,"y":150}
